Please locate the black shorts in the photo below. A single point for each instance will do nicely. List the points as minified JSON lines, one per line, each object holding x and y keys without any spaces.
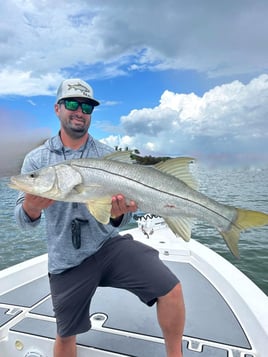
{"x":121,"y":262}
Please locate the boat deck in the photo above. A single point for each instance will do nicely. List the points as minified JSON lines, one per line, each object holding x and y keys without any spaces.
{"x":121,"y":324}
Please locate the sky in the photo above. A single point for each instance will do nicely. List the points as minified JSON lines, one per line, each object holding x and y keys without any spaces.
{"x":173,"y":77}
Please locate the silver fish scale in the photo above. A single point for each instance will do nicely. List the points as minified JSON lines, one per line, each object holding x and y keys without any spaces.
{"x":154,"y":191}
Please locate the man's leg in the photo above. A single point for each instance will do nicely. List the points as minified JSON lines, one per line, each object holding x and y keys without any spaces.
{"x":65,"y":346}
{"x":136,"y":267}
{"x":71,"y":294}
{"x":171,"y":317}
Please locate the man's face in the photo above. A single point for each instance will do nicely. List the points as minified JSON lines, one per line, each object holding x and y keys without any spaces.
{"x":74,"y":122}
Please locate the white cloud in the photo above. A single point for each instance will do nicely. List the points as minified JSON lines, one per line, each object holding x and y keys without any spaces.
{"x":228,"y":118}
{"x":25,"y":83}
{"x":47,"y":38}
{"x":109,"y":103}
{"x":118,"y":141}
{"x":31,"y":102}
{"x":43,"y":42}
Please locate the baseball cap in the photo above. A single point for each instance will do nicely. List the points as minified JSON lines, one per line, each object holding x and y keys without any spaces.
{"x":76,"y":88}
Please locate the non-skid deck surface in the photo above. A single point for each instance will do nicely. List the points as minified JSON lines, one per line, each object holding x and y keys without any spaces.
{"x":6,"y":315}
{"x":27,"y":295}
{"x":129,"y":346}
{"x":98,"y":339}
{"x":209,"y":318}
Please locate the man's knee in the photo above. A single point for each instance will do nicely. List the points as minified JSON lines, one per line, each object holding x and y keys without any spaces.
{"x":69,"y":340}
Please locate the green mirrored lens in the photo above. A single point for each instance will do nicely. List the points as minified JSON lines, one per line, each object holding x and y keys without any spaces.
{"x":87,"y":108}
{"x":71,"y":104}
{"x":74,"y":104}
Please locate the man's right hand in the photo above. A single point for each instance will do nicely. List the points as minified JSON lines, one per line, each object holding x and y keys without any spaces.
{"x":33,"y":205}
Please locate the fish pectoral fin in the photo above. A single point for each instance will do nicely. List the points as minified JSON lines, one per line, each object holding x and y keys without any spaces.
{"x":100,"y":209}
{"x":83,"y":187}
{"x":180,"y":226}
{"x":79,"y":188}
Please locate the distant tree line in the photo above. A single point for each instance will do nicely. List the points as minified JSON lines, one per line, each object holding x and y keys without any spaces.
{"x":149,"y":160}
{"x":143,"y":160}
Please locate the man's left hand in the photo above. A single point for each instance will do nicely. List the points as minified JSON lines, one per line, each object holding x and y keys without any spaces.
{"x":120,"y":206}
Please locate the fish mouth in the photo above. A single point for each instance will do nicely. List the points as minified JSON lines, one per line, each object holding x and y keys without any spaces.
{"x":19,"y":187}
{"x":13,"y":183}
{"x":17,"y":184}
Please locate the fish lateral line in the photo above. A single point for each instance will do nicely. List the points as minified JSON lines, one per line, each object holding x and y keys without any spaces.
{"x":159,"y":190}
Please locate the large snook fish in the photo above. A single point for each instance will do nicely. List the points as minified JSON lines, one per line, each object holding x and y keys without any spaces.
{"x":167,"y":189}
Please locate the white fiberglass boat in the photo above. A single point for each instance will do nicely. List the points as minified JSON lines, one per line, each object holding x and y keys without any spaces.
{"x":226,"y":313}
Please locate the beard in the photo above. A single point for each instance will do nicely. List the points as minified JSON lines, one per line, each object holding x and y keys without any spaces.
{"x":76,"y":127}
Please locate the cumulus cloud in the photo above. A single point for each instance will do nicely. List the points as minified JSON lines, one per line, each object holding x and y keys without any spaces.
{"x":18,"y":82}
{"x":223,"y":40}
{"x":39,"y":46}
{"x":227,"y":122}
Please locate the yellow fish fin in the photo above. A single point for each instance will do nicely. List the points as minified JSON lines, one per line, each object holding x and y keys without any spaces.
{"x":179,"y":167}
{"x":180,"y":227}
{"x":244,"y":219}
{"x":101,"y":209}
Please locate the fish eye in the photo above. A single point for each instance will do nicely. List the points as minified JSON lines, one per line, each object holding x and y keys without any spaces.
{"x":33,"y":175}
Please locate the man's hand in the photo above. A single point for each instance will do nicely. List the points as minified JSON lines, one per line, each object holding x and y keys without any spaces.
{"x":120,"y":206}
{"x":33,"y":205}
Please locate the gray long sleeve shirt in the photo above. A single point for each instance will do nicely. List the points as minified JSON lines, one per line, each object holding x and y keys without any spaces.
{"x":62,"y":254}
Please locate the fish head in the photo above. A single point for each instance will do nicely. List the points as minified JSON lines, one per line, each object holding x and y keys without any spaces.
{"x":54,"y":182}
{"x":39,"y":183}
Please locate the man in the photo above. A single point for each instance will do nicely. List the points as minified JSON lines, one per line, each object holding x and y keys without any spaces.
{"x":84,"y":254}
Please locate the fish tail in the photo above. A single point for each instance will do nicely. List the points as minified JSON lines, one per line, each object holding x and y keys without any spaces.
{"x":244,"y":219}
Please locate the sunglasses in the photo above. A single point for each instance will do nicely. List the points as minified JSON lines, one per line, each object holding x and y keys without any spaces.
{"x":73,"y":105}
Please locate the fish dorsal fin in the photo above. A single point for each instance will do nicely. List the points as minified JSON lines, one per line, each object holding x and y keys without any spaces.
{"x":180,"y":226}
{"x":101,"y":209}
{"x":122,"y":156}
{"x":179,"y":167}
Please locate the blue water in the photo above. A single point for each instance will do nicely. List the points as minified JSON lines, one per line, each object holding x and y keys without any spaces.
{"x":246,"y":188}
